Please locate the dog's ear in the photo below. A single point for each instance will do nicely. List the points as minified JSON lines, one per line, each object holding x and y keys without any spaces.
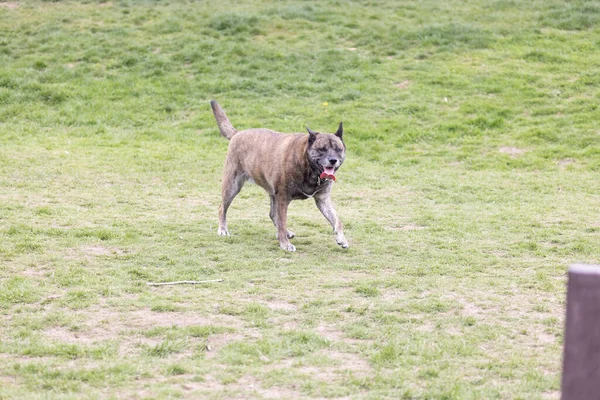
{"x":340,"y":132}
{"x":312,"y":136}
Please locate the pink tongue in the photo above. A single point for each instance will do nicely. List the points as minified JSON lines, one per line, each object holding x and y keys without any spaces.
{"x":328,"y":173}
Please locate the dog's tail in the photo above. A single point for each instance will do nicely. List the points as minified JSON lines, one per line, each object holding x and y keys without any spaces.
{"x":225,"y":126}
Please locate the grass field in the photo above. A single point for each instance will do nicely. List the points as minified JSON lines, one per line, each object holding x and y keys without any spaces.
{"x":472,"y":181}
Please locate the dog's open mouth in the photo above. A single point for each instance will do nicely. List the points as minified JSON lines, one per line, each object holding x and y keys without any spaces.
{"x":328,"y":173}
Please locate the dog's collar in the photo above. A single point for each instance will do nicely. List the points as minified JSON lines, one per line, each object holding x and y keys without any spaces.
{"x":308,"y":196}
{"x":317,"y":190}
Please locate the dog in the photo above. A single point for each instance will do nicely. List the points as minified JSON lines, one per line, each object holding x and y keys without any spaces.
{"x":288,"y":166}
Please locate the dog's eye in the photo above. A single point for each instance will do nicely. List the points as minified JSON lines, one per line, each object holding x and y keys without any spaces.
{"x":322,"y":149}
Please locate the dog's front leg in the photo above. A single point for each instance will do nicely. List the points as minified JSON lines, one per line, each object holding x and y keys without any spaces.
{"x":281,"y":207}
{"x":273,"y":215}
{"x":324,"y":205}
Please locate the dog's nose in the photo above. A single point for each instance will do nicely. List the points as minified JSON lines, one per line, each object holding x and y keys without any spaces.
{"x":333,"y":161}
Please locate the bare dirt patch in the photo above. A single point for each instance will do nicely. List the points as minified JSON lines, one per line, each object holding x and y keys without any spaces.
{"x":426,"y":326}
{"x":471,"y":310}
{"x":103,"y":325}
{"x":403,"y":85}
{"x":350,"y":362}
{"x":95,"y":335}
{"x":401,"y":226}
{"x":566,"y":162}
{"x":551,"y":395}
{"x":290,"y":325}
{"x":281,"y":306}
{"x":34,"y":272}
{"x":512,"y":151}
{"x":246,"y":387}
{"x":411,"y":227}
{"x":544,"y":338}
{"x":145,"y":319}
{"x":99,"y":250}
{"x":333,"y":366}
{"x":393,"y":295}
{"x":274,"y":392}
{"x":209,"y":384}
{"x":217,"y":342}
{"x":329,"y":333}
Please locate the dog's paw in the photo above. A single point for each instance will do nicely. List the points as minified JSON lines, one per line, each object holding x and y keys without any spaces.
{"x":287,"y":247}
{"x":341,"y":240}
{"x":222,"y":232}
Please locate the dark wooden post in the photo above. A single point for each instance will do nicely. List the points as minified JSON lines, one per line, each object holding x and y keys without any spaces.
{"x":581,"y":362}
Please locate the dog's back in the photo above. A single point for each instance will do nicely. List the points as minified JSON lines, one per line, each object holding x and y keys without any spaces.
{"x":259,"y":153}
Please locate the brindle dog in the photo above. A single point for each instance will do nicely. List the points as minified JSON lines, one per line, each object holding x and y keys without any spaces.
{"x":288,"y":166}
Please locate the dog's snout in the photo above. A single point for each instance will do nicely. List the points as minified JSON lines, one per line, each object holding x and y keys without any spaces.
{"x":333,"y":161}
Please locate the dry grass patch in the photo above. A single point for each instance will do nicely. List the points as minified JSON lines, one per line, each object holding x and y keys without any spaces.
{"x":512,"y":151}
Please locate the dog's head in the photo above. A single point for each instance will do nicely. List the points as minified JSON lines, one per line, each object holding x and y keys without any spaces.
{"x":326,"y":151}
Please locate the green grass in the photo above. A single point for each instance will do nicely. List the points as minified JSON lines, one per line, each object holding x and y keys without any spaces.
{"x":471,"y":183}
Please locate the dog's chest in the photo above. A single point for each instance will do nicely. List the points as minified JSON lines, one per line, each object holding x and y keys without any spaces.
{"x":306,"y":190}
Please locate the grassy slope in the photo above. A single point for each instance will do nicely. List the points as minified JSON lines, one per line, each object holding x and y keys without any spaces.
{"x":471,"y":183}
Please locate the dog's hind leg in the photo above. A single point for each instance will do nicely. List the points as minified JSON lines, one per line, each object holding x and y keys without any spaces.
{"x":281,"y":206}
{"x":273,"y":215}
{"x":232,"y":184}
{"x":324,"y":205}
